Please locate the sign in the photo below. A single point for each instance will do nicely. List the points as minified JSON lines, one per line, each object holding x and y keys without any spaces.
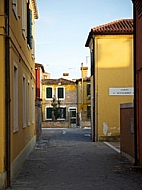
{"x":127,"y":91}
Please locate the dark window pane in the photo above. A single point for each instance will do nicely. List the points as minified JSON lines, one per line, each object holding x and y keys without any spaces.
{"x":60,"y":92}
{"x":49,"y":92}
{"x":29,"y":26}
{"x":88,"y":89}
{"x":92,"y":62}
{"x":48,"y":113}
{"x":88,"y":112}
{"x":62,"y":113}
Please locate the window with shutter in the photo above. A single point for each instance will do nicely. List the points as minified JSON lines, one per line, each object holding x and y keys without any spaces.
{"x":92,"y":62}
{"x":48,"y":113}
{"x":24,"y":18}
{"x":49,"y":93}
{"x":88,"y":90}
{"x":62,"y":113}
{"x":60,"y":93}
{"x":29,"y":26}
{"x":88,"y":112}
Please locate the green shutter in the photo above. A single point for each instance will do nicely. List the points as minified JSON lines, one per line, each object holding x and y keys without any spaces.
{"x":88,"y":89}
{"x":48,"y":113}
{"x":29,"y":26}
{"x":49,"y":92}
{"x":60,"y":92}
{"x":64,"y":113}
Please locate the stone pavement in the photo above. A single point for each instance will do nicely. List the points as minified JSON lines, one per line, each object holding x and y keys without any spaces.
{"x":67,"y":159}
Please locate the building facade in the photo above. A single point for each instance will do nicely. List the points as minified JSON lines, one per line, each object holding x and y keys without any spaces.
{"x":83,"y":98}
{"x":39,"y":74}
{"x":111,"y":52}
{"x":64,"y":91}
{"x":17,"y":82}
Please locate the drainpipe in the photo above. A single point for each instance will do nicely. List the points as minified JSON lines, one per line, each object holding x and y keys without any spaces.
{"x":135,"y":92}
{"x":93,"y":72}
{"x":7,"y":91}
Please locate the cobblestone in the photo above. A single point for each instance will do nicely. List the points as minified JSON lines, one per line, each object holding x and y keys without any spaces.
{"x":67,"y":159}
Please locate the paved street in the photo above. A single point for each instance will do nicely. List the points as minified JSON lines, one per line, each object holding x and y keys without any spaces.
{"x":67,"y":159}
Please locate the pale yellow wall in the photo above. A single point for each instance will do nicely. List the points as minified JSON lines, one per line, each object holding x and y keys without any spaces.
{"x":114,"y":68}
{"x":83,"y":102}
{"x":21,"y":55}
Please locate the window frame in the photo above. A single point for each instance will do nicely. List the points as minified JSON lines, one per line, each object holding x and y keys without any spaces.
{"x":28,"y":103}
{"x":15,"y":98}
{"x":47,"y":107}
{"x":51,"y":94}
{"x":63,"y":93}
{"x":24,"y":18}
{"x":24,"y":100}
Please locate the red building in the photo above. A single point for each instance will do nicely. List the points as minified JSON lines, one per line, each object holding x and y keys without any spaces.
{"x":138,"y":79}
{"x":39,"y":70}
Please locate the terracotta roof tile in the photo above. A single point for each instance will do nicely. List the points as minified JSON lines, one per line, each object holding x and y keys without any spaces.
{"x":118,"y":26}
{"x":124,"y":26}
{"x":57,"y":81}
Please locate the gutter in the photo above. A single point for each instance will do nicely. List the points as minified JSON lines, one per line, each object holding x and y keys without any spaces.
{"x":7,"y":92}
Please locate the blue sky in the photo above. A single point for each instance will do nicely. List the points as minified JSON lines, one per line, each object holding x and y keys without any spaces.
{"x":63,"y":27}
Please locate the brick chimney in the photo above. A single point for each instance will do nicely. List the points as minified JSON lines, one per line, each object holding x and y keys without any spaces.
{"x":66,"y":75}
{"x":84,"y":71}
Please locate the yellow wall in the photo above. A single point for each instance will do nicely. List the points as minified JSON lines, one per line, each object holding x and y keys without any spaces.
{"x":114,"y":68}
{"x":23,"y":139}
{"x":83,"y":101}
{"x":21,"y":55}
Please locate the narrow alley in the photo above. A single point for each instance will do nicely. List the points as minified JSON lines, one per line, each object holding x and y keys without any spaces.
{"x":67,"y":159}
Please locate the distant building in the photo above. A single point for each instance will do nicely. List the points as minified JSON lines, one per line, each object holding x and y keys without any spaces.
{"x":64,"y":91}
{"x":84,"y":98}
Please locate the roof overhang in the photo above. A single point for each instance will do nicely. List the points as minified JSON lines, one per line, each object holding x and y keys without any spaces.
{"x":34,"y":4}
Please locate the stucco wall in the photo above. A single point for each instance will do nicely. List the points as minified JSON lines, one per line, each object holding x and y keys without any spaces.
{"x":113,"y":69}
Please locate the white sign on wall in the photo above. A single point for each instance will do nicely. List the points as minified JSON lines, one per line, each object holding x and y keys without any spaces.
{"x":127,"y":91}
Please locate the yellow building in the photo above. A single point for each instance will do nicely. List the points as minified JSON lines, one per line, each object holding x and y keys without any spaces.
{"x":84,"y":98}
{"x":111,"y":50}
{"x":17,"y":83}
{"x":64,"y":91}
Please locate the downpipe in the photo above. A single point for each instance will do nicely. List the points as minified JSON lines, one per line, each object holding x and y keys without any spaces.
{"x":7,"y":93}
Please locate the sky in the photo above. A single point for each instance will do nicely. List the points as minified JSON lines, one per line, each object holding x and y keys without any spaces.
{"x":63,"y":27}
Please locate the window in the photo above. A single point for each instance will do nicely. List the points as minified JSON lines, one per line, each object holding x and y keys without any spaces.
{"x":14,"y":7}
{"x":15,"y":99}
{"x":24,"y":101}
{"x":62,"y":113}
{"x":28,"y":103}
{"x":29,"y":26}
{"x":48,"y":113}
{"x":24,"y":18}
{"x":33,"y":105}
{"x":60,"y":92}
{"x":49,"y":93}
{"x":92,"y":62}
{"x":88,"y":91}
{"x":88,"y":112}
